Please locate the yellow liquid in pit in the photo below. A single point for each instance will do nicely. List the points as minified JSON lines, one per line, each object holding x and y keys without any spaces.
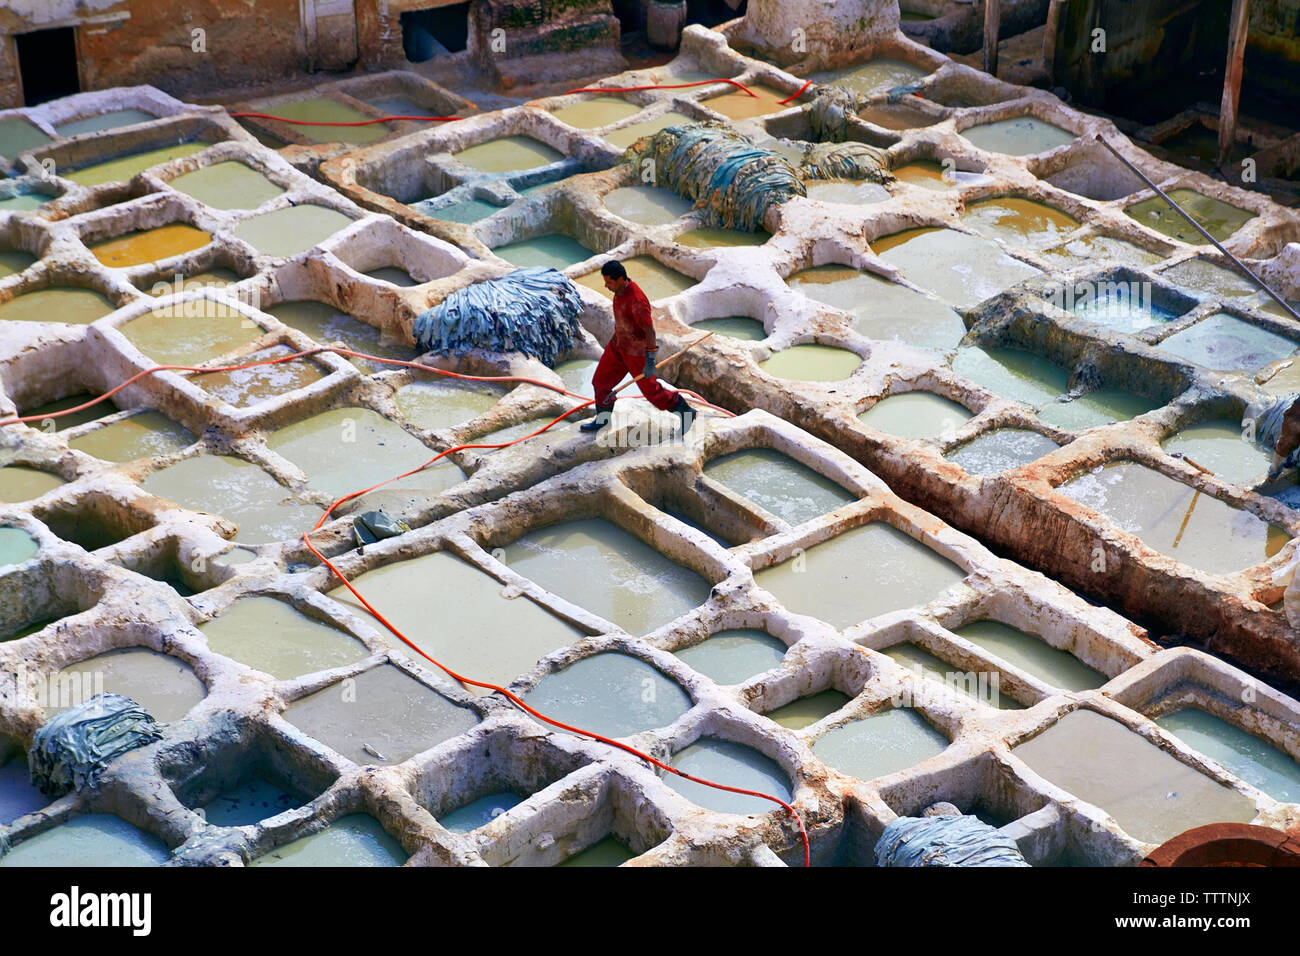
{"x":58,"y":304}
{"x":812,"y":363}
{"x":189,"y":340}
{"x":1020,"y":222}
{"x":141,"y":246}
{"x":508,"y":154}
{"x":739,"y":105}
{"x":23,"y":484}
{"x":627,"y":135}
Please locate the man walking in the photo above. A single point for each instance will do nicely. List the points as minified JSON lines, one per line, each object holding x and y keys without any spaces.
{"x":631,"y":351}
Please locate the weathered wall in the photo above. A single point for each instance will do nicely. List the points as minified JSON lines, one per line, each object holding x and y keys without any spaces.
{"x":1273,"y":50}
{"x":537,"y":27}
{"x":787,"y":25}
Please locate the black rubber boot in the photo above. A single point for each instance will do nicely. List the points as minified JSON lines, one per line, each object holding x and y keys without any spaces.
{"x":597,"y":423}
{"x":685,"y":414}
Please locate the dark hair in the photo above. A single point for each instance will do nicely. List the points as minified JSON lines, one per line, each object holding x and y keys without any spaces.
{"x":614,"y":269}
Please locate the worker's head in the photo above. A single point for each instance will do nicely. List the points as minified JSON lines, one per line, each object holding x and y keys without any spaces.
{"x":615,"y":276}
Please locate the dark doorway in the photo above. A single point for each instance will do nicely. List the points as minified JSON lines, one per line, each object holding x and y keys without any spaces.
{"x":710,"y":13}
{"x":47,"y":62}
{"x":439,"y":31}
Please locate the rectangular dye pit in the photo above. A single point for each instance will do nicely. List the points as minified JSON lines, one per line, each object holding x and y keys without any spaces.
{"x":847,"y":193}
{"x":742,"y":767}
{"x":739,"y":327}
{"x":1174,"y":519}
{"x":302,"y":644}
{"x":95,"y":839}
{"x":477,"y":633}
{"x":18,"y":135}
{"x":647,"y":205}
{"x":554,"y":250}
{"x":111,"y":119}
{"x":1100,"y":250}
{"x":325,"y":324}
{"x":881,"y":744}
{"x":143,"y":435}
{"x":354,"y":840}
{"x":384,"y":709}
{"x":23,"y":484}
{"x":1033,"y":655}
{"x":599,"y":566}
{"x":627,"y":135}
{"x":325,"y":110}
{"x":58,"y":304}
{"x":706,"y":238}
{"x":125,"y":167}
{"x":244,"y":387}
{"x":828,"y":582}
{"x":1116,"y":307}
{"x":228,"y":185}
{"x":1222,"y":447}
{"x":1101,"y":407}
{"x":14,"y":261}
{"x":216,"y":278}
{"x":916,"y":415}
{"x":508,"y":154}
{"x":611,"y":694}
{"x":596,"y":112}
{"x":739,"y":105}
{"x":777,"y":483}
{"x":149,"y":245}
{"x":18,"y":796}
{"x":1224,"y":342}
{"x":174,"y":336}
{"x":960,"y":269}
{"x":1150,"y":794}
{"x":1020,"y":136}
{"x":1020,"y":222}
{"x":734,"y":656}
{"x":1012,"y":373}
{"x":978,"y":686}
{"x":1253,"y":759}
{"x":1218,"y":218}
{"x":287,"y":232}
{"x":874,"y":76}
{"x":440,"y":403}
{"x":803,"y":712}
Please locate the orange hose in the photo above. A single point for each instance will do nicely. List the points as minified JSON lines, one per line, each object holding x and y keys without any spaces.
{"x":464,"y":681}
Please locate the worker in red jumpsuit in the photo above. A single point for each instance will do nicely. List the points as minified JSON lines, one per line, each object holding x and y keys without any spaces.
{"x":631,"y":351}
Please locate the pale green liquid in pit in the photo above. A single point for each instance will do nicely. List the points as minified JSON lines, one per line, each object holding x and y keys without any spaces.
{"x":271,"y":636}
{"x":96,"y":839}
{"x":18,"y":796}
{"x":916,"y":415}
{"x":392,"y":712}
{"x":248,"y":386}
{"x":1218,"y":218}
{"x":1226,"y":342}
{"x":1101,"y":407}
{"x":145,"y":435}
{"x":24,"y":202}
{"x":812,"y":363}
{"x":1116,"y":308}
{"x":777,"y":483}
{"x":477,"y":632}
{"x":576,"y":375}
{"x":733,"y":657}
{"x":445,"y":403}
{"x":707,"y":238}
{"x":354,"y":840}
{"x":1022,"y":136}
{"x":400,"y":106}
{"x":656,"y":280}
{"x":16,"y":546}
{"x":1012,"y":373}
{"x":480,"y":813}
{"x":555,"y":250}
{"x":467,"y":211}
{"x":263,"y":509}
{"x":930,"y":667}
{"x":287,"y":232}
{"x":190,"y":340}
{"x":508,"y":154}
{"x":217,"y":278}
{"x":228,"y":185}
{"x":1100,"y":251}
{"x":326,"y":324}
{"x":879,"y":745}
{"x":17,"y":135}
{"x":607,"y":852}
{"x":392,"y":275}
{"x":806,"y":711}
{"x":1218,"y":446}
{"x":848,"y":193}
{"x":322,"y":110}
{"x":14,"y":261}
{"x":57,"y":304}
{"x":161,"y":684}
{"x":738,"y":766}
{"x":122,"y":169}
{"x":874,"y":76}
{"x":109,"y":120}
{"x":627,"y":135}
{"x":1001,"y":449}
{"x":244,"y":806}
{"x":1020,"y":222}
{"x":960,"y":269}
{"x":1251,"y":758}
{"x":833,"y":586}
{"x":610,"y":694}
{"x":597,"y":111}
{"x":882,"y":309}
{"x":740,"y":327}
{"x":82,"y":417}
{"x":1216,"y":537}
{"x":1149,"y":793}
{"x":647,"y":205}
{"x":23,"y":484}
{"x":349,"y":449}
{"x":599,"y":566}
{"x":1033,"y":655}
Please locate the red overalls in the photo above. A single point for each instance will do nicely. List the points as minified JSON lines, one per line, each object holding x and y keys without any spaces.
{"x":634,"y":332}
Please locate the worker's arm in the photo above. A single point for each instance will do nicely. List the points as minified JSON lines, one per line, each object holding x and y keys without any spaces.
{"x":643,"y":327}
{"x":1289,"y":440}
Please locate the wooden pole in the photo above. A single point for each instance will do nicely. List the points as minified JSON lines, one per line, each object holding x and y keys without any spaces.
{"x":992,"y":22}
{"x":1232,"y":78}
{"x":1049,"y":38}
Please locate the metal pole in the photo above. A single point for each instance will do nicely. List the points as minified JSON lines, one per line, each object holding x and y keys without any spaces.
{"x":1197,"y":226}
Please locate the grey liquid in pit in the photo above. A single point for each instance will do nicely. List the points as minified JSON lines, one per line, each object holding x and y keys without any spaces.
{"x":828,"y":581}
{"x":161,"y":684}
{"x":882,"y":309}
{"x":734,"y":656}
{"x":1001,"y":449}
{"x":143,"y":435}
{"x":1220,"y":446}
{"x":1102,"y":407}
{"x":353,"y":840}
{"x":383,"y":708}
{"x":847,"y":192}
{"x":606,"y":852}
{"x":611,"y":694}
{"x":1226,"y":342}
{"x":287,"y":232}
{"x":1033,"y":655}
{"x":881,"y":744}
{"x":101,"y":121}
{"x":1021,"y":136}
{"x":301,"y":644}
{"x":1253,"y":759}
{"x":805,"y":711}
{"x":445,"y":402}
{"x":95,"y":839}
{"x":479,"y":632}
{"x":325,"y":324}
{"x":479,"y":813}
{"x":981,"y":689}
{"x":609,"y":572}
{"x":18,"y":796}
{"x":714,"y":759}
{"x":777,"y":483}
{"x":554,"y":250}
{"x":264,"y":510}
{"x":960,"y":269}
{"x":916,"y":415}
{"x":1150,"y":794}
{"x":18,"y":135}
{"x":1012,"y":373}
{"x":393,"y":275}
{"x":647,"y":205}
{"x":1211,"y":535}
{"x":246,"y":805}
